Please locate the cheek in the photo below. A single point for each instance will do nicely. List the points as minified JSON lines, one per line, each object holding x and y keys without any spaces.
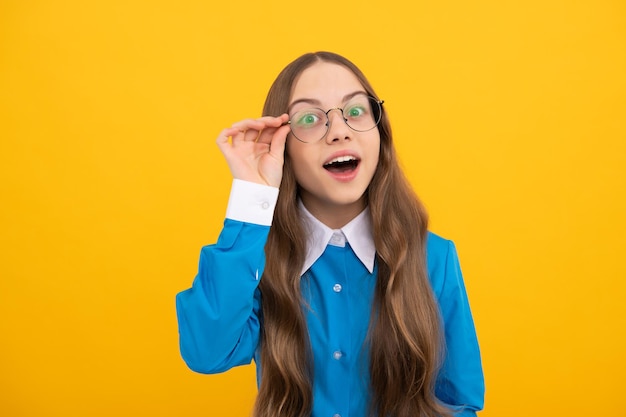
{"x":300,"y":159}
{"x":294,"y":152}
{"x":375,"y":150}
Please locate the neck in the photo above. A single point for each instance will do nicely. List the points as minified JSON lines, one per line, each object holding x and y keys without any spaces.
{"x":335,"y":216}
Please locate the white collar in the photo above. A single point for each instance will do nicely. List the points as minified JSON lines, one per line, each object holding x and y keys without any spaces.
{"x":358,"y":233}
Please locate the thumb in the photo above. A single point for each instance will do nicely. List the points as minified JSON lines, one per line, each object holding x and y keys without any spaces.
{"x":277,"y":146}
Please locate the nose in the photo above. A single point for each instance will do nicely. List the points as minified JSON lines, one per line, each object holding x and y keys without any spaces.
{"x":337,"y":127}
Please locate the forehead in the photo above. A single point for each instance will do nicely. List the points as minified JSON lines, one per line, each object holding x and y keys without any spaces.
{"x":326,"y":82}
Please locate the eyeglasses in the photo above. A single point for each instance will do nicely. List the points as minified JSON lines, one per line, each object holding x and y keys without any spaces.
{"x":361,"y":113}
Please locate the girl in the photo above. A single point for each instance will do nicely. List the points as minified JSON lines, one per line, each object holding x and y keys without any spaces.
{"x":325,"y":273}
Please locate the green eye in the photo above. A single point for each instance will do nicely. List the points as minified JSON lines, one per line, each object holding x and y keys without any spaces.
{"x":307,"y":119}
{"x":356,"y":111}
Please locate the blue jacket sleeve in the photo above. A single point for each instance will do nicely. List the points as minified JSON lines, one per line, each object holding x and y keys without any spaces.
{"x":218,"y":317}
{"x":460,"y":382}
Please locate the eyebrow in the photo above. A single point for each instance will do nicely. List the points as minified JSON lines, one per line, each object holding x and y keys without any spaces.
{"x":315,"y":102}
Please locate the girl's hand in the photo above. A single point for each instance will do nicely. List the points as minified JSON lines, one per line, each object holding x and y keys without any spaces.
{"x":255,"y":151}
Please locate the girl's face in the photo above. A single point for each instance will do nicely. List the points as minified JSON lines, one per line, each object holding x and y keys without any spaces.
{"x":334,"y":172}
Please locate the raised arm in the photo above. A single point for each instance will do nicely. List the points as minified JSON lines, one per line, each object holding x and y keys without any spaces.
{"x":218,"y":317}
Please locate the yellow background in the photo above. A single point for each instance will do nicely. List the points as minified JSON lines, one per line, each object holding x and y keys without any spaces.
{"x":509,"y":118}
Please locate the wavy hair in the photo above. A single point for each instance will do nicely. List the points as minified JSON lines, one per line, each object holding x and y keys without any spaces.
{"x":404,"y":338}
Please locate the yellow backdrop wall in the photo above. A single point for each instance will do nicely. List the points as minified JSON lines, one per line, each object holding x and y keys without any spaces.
{"x":509,"y":118}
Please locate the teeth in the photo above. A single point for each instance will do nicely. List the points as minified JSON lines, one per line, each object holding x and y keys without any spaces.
{"x":341,"y":159}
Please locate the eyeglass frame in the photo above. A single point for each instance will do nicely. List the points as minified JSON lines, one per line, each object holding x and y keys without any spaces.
{"x":327,"y":124}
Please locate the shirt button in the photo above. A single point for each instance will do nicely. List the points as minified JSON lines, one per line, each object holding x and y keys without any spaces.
{"x":337,"y":287}
{"x":337,"y":355}
{"x":265,"y":205}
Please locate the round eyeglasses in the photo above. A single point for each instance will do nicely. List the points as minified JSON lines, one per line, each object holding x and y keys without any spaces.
{"x":361,"y":113}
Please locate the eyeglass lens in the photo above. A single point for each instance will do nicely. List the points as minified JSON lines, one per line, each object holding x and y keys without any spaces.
{"x":361,"y":113}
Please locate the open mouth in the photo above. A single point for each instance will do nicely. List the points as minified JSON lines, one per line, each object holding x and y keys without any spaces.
{"x":342,"y":164}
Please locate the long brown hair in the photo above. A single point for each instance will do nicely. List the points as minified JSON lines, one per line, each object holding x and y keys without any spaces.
{"x":404,"y":338}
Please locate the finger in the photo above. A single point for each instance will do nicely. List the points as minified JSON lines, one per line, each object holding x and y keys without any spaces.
{"x":277,"y":146}
{"x":272,"y":121}
{"x":246,"y":133}
{"x":250,"y":129}
{"x":273,"y":124}
{"x":247,"y":124}
{"x":222,"y":138}
{"x":260,"y":123}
